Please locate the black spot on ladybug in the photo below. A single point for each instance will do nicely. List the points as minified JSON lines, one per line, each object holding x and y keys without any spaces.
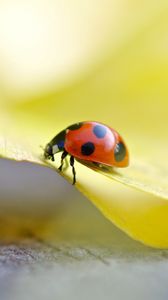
{"x":99,"y":131}
{"x":87,"y":148}
{"x":119,"y":152}
{"x":75,"y":126}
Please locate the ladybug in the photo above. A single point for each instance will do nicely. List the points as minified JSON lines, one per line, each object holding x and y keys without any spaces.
{"x":91,"y":143}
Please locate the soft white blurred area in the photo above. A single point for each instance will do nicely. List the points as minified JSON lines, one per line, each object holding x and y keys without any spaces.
{"x":46,"y":45}
{"x":48,"y":42}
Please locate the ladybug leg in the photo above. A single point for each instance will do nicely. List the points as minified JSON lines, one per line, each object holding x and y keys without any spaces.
{"x":73,"y":169}
{"x":52,"y":157}
{"x":64,"y":154}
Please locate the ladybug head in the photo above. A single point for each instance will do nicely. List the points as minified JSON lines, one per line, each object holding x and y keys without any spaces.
{"x":48,"y":152}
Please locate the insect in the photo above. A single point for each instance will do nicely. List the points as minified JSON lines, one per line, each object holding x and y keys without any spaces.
{"x":91,"y":143}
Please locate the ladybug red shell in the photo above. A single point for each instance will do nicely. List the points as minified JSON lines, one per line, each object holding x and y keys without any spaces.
{"x":89,"y":142}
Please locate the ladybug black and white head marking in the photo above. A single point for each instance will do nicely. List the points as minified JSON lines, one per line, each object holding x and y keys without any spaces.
{"x":55,"y":145}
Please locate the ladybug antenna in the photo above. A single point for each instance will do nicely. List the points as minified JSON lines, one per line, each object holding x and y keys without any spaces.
{"x":42,"y":147}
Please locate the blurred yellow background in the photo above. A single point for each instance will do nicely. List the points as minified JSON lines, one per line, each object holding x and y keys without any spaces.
{"x":78,"y":60}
